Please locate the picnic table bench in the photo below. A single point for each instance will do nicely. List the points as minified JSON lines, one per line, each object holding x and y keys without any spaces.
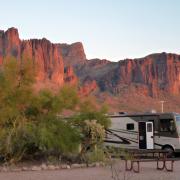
{"x":159,"y":156}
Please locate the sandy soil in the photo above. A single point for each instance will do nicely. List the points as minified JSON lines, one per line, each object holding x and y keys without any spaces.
{"x":148,"y":172}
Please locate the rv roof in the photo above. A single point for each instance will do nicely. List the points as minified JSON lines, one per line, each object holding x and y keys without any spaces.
{"x":142,"y":114}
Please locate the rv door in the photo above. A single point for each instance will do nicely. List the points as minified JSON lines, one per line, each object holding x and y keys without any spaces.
{"x":146,"y":139}
{"x":149,"y":135}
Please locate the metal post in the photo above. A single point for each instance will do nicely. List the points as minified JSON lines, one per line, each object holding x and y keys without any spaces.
{"x":162,"y":106}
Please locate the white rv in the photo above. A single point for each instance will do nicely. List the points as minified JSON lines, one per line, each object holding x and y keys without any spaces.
{"x":145,"y":131}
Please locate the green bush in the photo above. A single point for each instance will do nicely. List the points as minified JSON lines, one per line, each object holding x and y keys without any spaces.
{"x":31,"y":122}
{"x":96,"y":155}
{"x":16,"y":142}
{"x":55,"y":136}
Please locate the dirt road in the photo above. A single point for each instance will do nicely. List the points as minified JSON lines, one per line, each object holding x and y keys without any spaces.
{"x":148,"y":172}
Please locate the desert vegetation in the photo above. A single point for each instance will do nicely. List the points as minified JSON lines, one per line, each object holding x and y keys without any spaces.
{"x":33,"y":124}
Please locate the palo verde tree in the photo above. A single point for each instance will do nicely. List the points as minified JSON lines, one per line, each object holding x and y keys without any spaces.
{"x":31,"y":123}
{"x":28,"y":122}
{"x":16,"y":79}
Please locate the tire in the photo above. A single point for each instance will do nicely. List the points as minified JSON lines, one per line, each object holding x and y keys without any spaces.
{"x":170,"y":151}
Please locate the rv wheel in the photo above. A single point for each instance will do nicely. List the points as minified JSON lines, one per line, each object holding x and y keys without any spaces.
{"x":170,"y":151}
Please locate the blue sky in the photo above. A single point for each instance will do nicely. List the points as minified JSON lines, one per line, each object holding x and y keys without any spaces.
{"x":111,"y":29}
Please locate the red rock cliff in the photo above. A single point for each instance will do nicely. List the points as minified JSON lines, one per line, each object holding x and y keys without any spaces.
{"x":10,"y":44}
{"x":47,"y":56}
{"x":69,"y":76}
{"x":150,"y":75}
{"x":158,"y":72}
{"x":73,"y":54}
{"x":48,"y":60}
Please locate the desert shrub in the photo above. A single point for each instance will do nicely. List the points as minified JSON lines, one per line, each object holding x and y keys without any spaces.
{"x":16,"y":141}
{"x":31,"y":122}
{"x":93,"y":133}
{"x":96,"y":155}
{"x":91,"y":122}
{"x":57,"y":137}
{"x":89,"y":111}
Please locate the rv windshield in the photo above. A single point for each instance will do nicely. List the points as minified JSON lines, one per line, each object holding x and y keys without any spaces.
{"x":178,"y":124}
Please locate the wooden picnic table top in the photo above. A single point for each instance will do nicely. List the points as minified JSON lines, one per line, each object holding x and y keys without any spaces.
{"x":146,"y":151}
{"x":142,"y":153}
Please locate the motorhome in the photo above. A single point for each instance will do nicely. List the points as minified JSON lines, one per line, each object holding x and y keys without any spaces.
{"x":144,"y":131}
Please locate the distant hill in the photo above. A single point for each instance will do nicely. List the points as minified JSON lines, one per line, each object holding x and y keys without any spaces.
{"x":127,"y":85}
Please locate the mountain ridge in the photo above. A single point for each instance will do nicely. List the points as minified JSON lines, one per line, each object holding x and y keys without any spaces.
{"x":155,"y":76}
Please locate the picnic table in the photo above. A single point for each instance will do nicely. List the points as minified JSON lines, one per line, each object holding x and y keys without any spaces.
{"x":132,"y":163}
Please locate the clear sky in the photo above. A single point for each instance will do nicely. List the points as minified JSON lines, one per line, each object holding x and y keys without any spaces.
{"x":111,"y":29}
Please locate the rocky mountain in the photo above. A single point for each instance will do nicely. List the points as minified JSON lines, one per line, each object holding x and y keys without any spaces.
{"x":156,"y":76}
{"x":151,"y":75}
{"x":46,"y":56}
{"x":72,"y":54}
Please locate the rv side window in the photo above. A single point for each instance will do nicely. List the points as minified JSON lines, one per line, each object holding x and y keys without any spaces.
{"x":167,"y":125}
{"x":130,"y":126}
{"x":149,"y":127}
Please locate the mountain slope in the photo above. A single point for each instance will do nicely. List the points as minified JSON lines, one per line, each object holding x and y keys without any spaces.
{"x":152,"y":78}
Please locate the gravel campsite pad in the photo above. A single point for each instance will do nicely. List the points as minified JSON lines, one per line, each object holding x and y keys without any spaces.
{"x":148,"y":172}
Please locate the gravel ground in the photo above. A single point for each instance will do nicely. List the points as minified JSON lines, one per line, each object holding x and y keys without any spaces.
{"x":148,"y":172}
